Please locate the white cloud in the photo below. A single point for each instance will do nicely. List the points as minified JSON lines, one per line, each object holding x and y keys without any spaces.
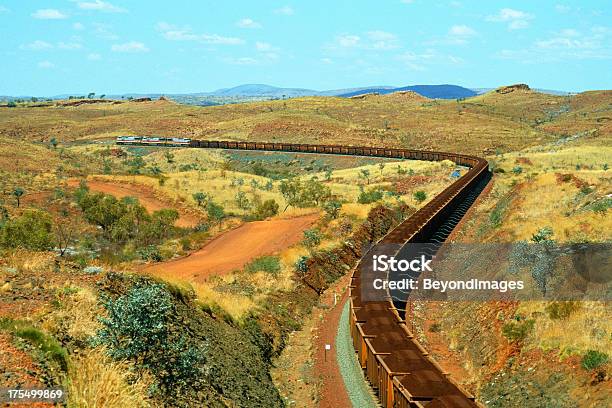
{"x":285,"y":10}
{"x":49,"y":14}
{"x":570,"y":32}
{"x":264,"y":46}
{"x":327,"y":61}
{"x":248,"y":23}
{"x":457,"y":35}
{"x":46,"y":65}
{"x":132,"y":46}
{"x":37,"y":45}
{"x":567,"y":44}
{"x":371,"y":40}
{"x":94,"y":56}
{"x":348,"y":40}
{"x":461,"y":31}
{"x":69,"y":46}
{"x":99,"y":5}
{"x":242,"y":61}
{"x":516,"y":19}
{"x":562,"y":8}
{"x":78,"y":26}
{"x":173,"y":33}
{"x":381,"y":40}
{"x":267,"y":51}
{"x":407,"y":1}
{"x":4,"y":9}
{"x":104,"y":31}
{"x":40,"y":45}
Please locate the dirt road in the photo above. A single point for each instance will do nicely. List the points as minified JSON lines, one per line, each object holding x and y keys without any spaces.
{"x":145,"y":196}
{"x":234,"y":249}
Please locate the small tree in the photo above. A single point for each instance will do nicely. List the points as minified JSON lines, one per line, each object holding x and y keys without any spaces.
{"x":332,"y":208}
{"x":18,"y":192}
{"x":328,"y":174}
{"x":169,"y":157}
{"x":420,"y":196}
{"x":201,"y":198}
{"x":53,"y":142}
{"x":242,"y":201}
{"x":65,"y":229}
{"x":91,"y":95}
{"x":290,"y":189}
{"x":381,"y":166}
{"x":215,"y":211}
{"x":365,"y":173}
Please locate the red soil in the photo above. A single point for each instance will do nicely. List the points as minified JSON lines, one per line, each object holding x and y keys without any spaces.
{"x":234,"y":249}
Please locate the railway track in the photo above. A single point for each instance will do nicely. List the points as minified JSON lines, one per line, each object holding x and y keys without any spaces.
{"x":400,"y":370}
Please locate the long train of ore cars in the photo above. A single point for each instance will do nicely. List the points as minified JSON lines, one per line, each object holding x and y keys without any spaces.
{"x":400,"y":370}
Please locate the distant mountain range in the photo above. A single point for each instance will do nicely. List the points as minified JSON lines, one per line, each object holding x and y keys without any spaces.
{"x":260,"y":90}
{"x":247,"y":92}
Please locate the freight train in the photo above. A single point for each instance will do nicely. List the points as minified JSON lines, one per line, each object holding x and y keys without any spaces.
{"x":153,"y":141}
{"x":400,"y":370}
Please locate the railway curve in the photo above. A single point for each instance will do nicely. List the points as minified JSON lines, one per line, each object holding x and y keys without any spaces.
{"x":400,"y":370}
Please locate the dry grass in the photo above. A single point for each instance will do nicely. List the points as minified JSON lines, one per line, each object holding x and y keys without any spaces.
{"x":95,"y":381}
{"x":30,"y":261}
{"x":483,"y":123}
{"x":76,"y":316}
{"x":587,"y":328}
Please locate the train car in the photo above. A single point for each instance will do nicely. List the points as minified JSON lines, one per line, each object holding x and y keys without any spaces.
{"x":128,"y":140}
{"x":178,"y":142}
{"x":152,"y":141}
{"x":232,"y":145}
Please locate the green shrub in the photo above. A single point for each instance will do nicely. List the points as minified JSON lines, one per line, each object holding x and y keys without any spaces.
{"x":312,"y":238}
{"x":517,"y":170}
{"x":150,"y":253}
{"x":332,"y":208}
{"x":542,"y":235}
{"x":215,"y":212}
{"x":31,"y":230}
{"x":517,"y":331}
{"x":269,"y":264}
{"x":267,"y":209}
{"x":496,"y":217}
{"x":561,"y":310}
{"x":301,"y":265}
{"x":602,"y":206}
{"x":594,"y":359}
{"x":370,"y":196}
{"x":139,"y":328}
{"x":242,"y":201}
{"x":185,"y":243}
{"x":420,"y":196}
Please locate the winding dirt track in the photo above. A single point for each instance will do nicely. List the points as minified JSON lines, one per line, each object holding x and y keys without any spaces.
{"x":144,"y":196}
{"x":234,"y":249}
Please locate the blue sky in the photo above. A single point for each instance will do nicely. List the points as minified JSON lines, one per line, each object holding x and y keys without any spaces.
{"x":118,"y":46}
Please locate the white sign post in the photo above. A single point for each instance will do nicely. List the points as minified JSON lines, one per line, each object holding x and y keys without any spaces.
{"x":327,"y":347}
